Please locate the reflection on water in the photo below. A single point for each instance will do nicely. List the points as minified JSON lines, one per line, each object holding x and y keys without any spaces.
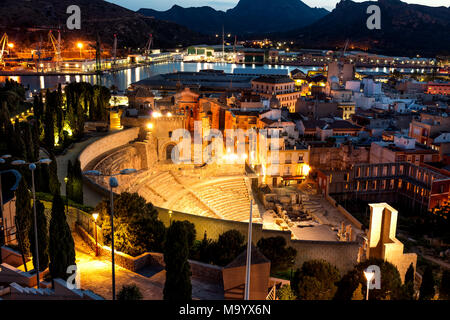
{"x":122,"y":79}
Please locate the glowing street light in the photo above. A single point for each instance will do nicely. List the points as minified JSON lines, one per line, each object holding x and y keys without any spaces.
{"x":95,"y":216}
{"x":149,"y":126}
{"x":369,"y":276}
{"x":10,"y":45}
{"x":80,"y":46}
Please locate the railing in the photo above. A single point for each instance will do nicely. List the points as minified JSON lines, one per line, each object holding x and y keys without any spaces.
{"x":272,"y":294}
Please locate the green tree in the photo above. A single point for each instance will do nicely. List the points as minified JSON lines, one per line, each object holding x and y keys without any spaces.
{"x":69,"y":183}
{"x":42,"y":232}
{"x":136,"y":225}
{"x":229,"y":245}
{"x":357,"y":294}
{"x":18,"y":145}
{"x":444,"y":288}
{"x":77,"y":183}
{"x":27,"y":138}
{"x":203,"y":250}
{"x":407,"y":289}
{"x":409,"y":276}
{"x":285,"y":293}
{"x":51,"y":104}
{"x":130,"y":292}
{"x":316,"y":280}
{"x":427,"y":290}
{"x":61,"y":244}
{"x":24,"y":213}
{"x":280,"y":256}
{"x":54,"y":183}
{"x":178,"y":243}
{"x":390,"y":279}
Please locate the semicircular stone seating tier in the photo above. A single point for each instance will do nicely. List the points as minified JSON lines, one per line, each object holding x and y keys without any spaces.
{"x":225,"y":197}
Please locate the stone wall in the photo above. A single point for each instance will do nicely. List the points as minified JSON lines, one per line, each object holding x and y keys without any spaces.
{"x":343,"y":255}
{"x":110,"y":142}
{"x":345,"y":213}
{"x":201,"y":270}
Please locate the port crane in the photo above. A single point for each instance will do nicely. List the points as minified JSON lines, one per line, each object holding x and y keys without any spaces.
{"x":3,"y":46}
{"x":148,"y":46}
{"x":56,"y":44}
{"x":115,"y":49}
{"x":98,"y":56}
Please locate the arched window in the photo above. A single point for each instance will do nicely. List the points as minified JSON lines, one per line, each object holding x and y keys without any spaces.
{"x":169,"y":149}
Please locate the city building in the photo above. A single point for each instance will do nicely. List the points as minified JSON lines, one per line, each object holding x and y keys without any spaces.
{"x":429,"y":127}
{"x":402,"y":149}
{"x":282,"y":88}
{"x":439,"y":88}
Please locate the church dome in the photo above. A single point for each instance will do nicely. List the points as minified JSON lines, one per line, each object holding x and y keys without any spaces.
{"x":274,"y":102}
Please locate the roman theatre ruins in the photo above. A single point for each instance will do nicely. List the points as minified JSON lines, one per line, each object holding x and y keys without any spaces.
{"x":216,"y":191}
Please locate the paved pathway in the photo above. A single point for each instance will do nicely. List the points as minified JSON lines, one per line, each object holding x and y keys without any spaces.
{"x":96,"y":276}
{"x":91,"y":198}
{"x":443,"y":264}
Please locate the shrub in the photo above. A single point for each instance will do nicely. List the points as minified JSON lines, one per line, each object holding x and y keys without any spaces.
{"x":129,"y":292}
{"x":286,"y":293}
{"x":280,"y":256}
{"x":316,"y":280}
{"x":229,"y":245}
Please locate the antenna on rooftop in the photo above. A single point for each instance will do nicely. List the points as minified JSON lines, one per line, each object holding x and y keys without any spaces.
{"x":223,"y":43}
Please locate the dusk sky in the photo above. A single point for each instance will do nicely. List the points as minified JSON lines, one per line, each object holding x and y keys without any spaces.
{"x":227,"y":4}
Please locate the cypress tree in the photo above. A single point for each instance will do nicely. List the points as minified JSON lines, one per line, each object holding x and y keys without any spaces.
{"x":35,"y":140}
{"x":407,"y":291}
{"x":59,"y":115}
{"x":77,"y":183}
{"x":427,"y":286}
{"x":53,"y":176}
{"x":61,"y":244}
{"x":69,"y":184}
{"x":28,"y":141}
{"x":24,"y":214}
{"x":49,"y":121}
{"x":357,"y":294}
{"x":18,"y":146}
{"x":409,"y":276}
{"x":179,"y":241}
{"x":444,"y":288}
{"x":42,"y":231}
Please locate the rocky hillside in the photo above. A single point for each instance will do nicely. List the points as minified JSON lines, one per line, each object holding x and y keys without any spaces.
{"x":406,"y":29}
{"x":19,"y":17}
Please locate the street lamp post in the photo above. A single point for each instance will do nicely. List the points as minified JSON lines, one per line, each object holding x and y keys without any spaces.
{"x":249,"y":256}
{"x":66,"y":179}
{"x":80,"y":46}
{"x":2,"y":211}
{"x":369,"y":276}
{"x":113,"y":183}
{"x":95,"y":216}
{"x":32,"y":167}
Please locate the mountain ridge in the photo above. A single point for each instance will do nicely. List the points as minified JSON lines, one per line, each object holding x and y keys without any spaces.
{"x":244,"y":19}
{"x":405,"y":29}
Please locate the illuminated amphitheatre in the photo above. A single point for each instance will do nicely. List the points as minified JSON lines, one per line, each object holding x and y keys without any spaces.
{"x":216,"y":191}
